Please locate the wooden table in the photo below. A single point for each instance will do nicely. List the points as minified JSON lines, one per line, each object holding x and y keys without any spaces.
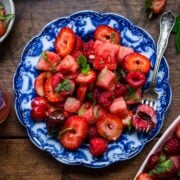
{"x":19,"y":158}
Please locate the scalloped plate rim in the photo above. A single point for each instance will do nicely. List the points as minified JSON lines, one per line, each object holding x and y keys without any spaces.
{"x":16,"y":92}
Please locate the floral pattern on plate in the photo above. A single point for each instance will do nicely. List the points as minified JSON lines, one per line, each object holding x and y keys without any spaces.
{"x":84,"y":23}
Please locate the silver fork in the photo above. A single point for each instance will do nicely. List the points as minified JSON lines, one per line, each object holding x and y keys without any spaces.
{"x":167,"y":22}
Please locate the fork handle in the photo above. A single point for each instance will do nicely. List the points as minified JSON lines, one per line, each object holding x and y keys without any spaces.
{"x":167,"y":22}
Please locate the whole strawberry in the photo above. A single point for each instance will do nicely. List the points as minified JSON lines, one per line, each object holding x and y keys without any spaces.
{"x":172,"y":147}
{"x":155,"y":6}
{"x":98,"y":146}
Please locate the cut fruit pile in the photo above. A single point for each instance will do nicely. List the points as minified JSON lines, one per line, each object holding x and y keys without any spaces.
{"x":91,"y":90}
{"x":164,"y":164}
{"x":4,"y":19}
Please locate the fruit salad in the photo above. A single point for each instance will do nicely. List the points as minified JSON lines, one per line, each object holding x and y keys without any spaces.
{"x":165,"y":163}
{"x":4,"y":19}
{"x":90,"y":91}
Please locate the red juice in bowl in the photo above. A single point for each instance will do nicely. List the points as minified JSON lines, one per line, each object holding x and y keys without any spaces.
{"x":4,"y":105}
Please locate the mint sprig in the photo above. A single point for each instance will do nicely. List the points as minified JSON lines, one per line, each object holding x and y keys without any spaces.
{"x":82,"y":61}
{"x":65,"y":85}
{"x":176,"y":29}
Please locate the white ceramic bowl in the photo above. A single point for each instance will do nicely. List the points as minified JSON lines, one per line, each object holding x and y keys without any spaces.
{"x":10,"y":9}
{"x":157,"y":147}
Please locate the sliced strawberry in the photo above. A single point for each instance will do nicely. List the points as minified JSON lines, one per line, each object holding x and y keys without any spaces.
{"x":72,"y":104}
{"x":136,"y":62}
{"x":106,"y":79}
{"x":119,"y":107}
{"x":106,"y":55}
{"x":81,"y":92}
{"x":39,"y":83}
{"x":133,"y":96}
{"x":71,"y":76}
{"x":56,"y":79}
{"x":91,"y":112}
{"x":48,"y":61}
{"x":68,"y":65}
{"x":74,"y":132}
{"x":86,"y":79}
{"x":65,"y":42}
{"x":106,"y":33}
{"x":110,"y":127}
{"x":50,"y":94}
{"x":123,"y":52}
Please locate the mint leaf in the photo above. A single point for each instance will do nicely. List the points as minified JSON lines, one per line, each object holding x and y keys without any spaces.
{"x":178,"y":42}
{"x":82,"y":61}
{"x":89,"y":95}
{"x":2,"y":17}
{"x":176,"y":27}
{"x":162,"y":166}
{"x":148,"y":4}
{"x":65,"y":85}
{"x":131,"y":92}
{"x":8,"y":17}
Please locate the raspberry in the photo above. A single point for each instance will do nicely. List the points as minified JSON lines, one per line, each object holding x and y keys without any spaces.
{"x":105,"y":99}
{"x":98,"y":146}
{"x":76,"y":54}
{"x":92,"y":132}
{"x":88,"y":48}
{"x":120,"y":90}
{"x":136,"y":79}
{"x":172,"y":147}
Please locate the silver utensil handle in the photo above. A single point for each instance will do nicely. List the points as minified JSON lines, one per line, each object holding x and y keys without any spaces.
{"x":167,"y":22}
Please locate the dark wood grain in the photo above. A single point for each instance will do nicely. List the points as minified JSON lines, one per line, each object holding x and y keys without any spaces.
{"x":19,"y":158}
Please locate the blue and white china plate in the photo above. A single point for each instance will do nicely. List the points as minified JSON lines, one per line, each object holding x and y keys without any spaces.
{"x":84,"y":23}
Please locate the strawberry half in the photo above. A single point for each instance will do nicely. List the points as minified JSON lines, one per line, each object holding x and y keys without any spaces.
{"x":74,"y":132}
{"x":110,"y":127}
{"x":136,"y":62}
{"x":86,"y":79}
{"x":50,"y":94}
{"x":81,"y":92}
{"x":39,"y":83}
{"x":65,"y":42}
{"x":106,"y":33}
